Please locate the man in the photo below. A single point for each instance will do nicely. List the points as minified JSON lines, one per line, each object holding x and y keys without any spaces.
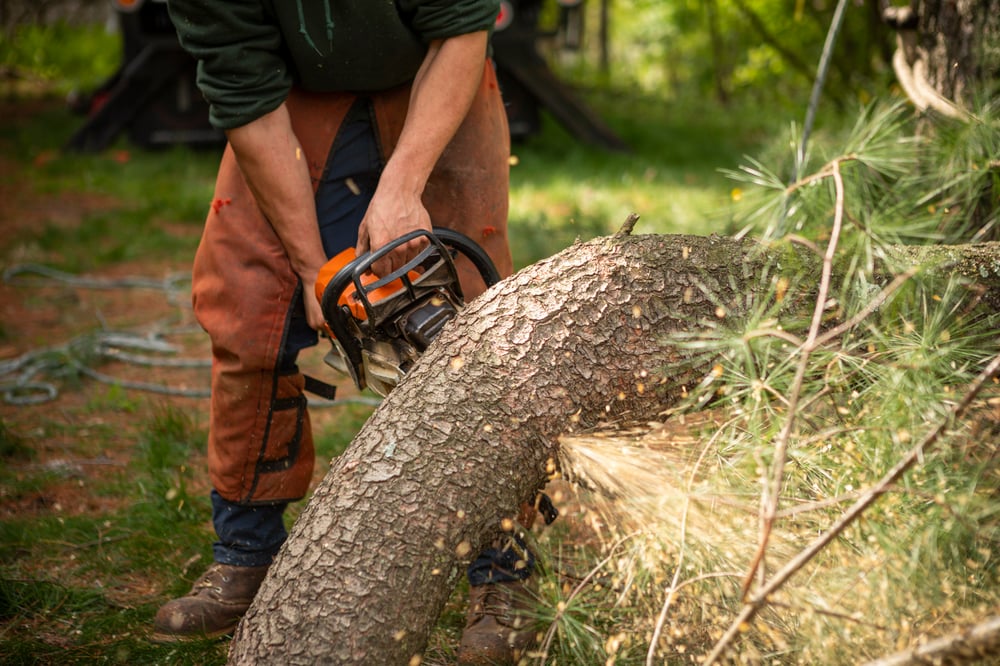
{"x":350,"y":123}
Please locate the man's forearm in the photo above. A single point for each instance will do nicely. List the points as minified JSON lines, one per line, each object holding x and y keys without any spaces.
{"x":274,"y":166}
{"x":442,"y":94}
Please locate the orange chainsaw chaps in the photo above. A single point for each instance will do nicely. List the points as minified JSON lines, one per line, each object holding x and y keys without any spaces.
{"x":243,"y":287}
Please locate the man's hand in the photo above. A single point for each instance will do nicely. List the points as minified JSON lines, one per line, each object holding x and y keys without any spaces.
{"x":394,"y":211}
{"x":314,"y":313}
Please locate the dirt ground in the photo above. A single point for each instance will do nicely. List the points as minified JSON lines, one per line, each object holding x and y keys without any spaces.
{"x":89,"y":429}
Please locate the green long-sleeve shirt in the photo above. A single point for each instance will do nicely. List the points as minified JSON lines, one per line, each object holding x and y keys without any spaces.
{"x":251,"y":52}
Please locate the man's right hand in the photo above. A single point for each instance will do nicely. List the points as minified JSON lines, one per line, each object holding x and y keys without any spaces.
{"x":442,"y":93}
{"x":395,"y":210}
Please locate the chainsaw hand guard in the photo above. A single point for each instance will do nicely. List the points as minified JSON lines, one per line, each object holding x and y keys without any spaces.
{"x":380,"y":326}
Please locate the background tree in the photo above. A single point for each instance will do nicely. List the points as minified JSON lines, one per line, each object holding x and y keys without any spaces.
{"x":960,"y":43}
{"x":762,"y":49}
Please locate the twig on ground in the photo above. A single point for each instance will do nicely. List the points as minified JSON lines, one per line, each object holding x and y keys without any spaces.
{"x":846,"y":617}
{"x":771,"y":491}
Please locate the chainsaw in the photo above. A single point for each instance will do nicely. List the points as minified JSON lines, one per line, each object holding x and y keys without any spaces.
{"x":379,"y":327}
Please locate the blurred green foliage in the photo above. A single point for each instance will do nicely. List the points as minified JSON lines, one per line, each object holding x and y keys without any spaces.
{"x":764,"y":51}
{"x":64,"y":56}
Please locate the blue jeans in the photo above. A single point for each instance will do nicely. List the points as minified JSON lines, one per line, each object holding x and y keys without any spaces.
{"x":252,"y":535}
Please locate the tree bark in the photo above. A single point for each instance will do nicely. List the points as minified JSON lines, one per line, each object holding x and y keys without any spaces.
{"x":960,"y":41}
{"x":465,"y":438}
{"x":948,"y":51}
{"x":720,"y":70}
{"x":603,"y":38}
{"x":978,"y":264}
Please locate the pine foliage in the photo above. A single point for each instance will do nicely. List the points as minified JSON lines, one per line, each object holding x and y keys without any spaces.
{"x":828,"y":493}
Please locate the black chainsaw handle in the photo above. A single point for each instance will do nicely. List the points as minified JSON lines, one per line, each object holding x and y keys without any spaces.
{"x":363,"y":264}
{"x":439,"y":241}
{"x":448,"y":238}
{"x":472,"y":251}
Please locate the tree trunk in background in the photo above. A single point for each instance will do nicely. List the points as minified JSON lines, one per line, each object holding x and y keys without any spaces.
{"x":603,"y":37}
{"x":960,"y":42}
{"x":947,"y":61}
{"x":720,"y":68}
{"x":571,"y":341}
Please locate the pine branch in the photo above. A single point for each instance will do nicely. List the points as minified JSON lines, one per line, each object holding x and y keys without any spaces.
{"x":772,"y":491}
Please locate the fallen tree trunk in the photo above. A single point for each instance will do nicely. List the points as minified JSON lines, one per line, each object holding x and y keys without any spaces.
{"x":978,"y":265}
{"x":452,"y":452}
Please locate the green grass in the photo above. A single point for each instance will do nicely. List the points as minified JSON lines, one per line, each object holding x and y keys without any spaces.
{"x":331,"y":442}
{"x":562,"y":189}
{"x":12,"y":445}
{"x":60,"y":56}
{"x":137,"y":205}
{"x":73,"y":587}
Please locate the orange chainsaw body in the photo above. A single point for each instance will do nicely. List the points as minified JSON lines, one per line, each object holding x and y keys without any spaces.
{"x":349,"y":297}
{"x":380,"y":326}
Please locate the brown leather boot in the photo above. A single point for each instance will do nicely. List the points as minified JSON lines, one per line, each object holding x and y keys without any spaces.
{"x":496,"y":629}
{"x":212,"y":608}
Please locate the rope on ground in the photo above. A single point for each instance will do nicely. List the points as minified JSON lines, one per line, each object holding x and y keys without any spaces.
{"x":173,"y":285}
{"x":21,"y":380}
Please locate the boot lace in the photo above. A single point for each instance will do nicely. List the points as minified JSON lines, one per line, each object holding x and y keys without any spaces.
{"x":496,"y":602}
{"x":210,"y":580}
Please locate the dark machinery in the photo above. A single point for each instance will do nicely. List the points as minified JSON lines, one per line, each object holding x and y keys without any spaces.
{"x":153,"y":96}
{"x":529,"y":85}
